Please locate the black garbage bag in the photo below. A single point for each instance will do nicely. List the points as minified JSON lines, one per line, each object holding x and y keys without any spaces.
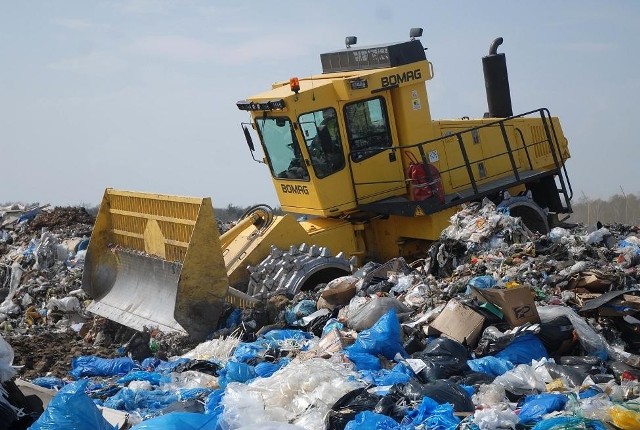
{"x":195,"y":406}
{"x":383,"y":286}
{"x":203,"y":366}
{"x":588,"y":360}
{"x":449,"y":392}
{"x":138,"y":346}
{"x":7,"y":415}
{"x":31,"y":407}
{"x":348,"y":406}
{"x":444,"y":256}
{"x":630,"y":333}
{"x":572,"y":375}
{"x":443,"y":357}
{"x":557,"y":335}
{"x":317,"y":325}
{"x":392,"y":405}
{"x":411,"y":391}
{"x":413,"y":343}
{"x":441,"y":391}
{"x":474,"y":379}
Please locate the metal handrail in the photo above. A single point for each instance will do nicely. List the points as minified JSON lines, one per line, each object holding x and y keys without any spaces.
{"x":551,"y":140}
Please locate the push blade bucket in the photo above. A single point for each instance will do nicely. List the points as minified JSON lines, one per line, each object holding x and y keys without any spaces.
{"x":155,"y":260}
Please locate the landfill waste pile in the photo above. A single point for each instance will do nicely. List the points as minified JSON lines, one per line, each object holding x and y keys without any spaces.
{"x":496,"y":328}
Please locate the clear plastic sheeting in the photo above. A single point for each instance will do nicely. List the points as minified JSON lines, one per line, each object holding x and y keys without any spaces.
{"x":217,"y":349}
{"x":301,"y":393}
{"x":593,"y":342}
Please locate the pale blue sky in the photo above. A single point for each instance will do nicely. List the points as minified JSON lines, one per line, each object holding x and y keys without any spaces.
{"x":141,"y":94}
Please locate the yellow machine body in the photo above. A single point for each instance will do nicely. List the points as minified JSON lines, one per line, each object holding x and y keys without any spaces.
{"x":356,"y":152}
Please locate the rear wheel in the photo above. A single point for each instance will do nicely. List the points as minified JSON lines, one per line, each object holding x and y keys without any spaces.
{"x":532,"y":215}
{"x":299,"y":268}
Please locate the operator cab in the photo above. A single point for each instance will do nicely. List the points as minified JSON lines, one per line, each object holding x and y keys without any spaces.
{"x":321,"y":140}
{"x":329,"y":140}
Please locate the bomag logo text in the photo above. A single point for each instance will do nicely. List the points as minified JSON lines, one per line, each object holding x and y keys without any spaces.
{"x":392,"y":80}
{"x":294,"y":189}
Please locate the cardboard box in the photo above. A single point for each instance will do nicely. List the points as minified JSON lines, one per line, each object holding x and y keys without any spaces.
{"x":459,"y":322}
{"x":517,"y":304}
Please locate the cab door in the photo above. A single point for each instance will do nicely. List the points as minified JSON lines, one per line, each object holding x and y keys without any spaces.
{"x":376,"y":166}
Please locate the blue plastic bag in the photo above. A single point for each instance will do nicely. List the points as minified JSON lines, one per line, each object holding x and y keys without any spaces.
{"x":400,"y":374}
{"x":364,"y":361}
{"x":624,"y":244}
{"x":49,"y":382}
{"x":279,"y":335}
{"x":185,"y":394}
{"x":299,"y":311}
{"x":179,"y":421}
{"x":383,"y":338}
{"x":151,"y":363}
{"x":535,"y":406}
{"x":234,"y":319}
{"x":523,"y":349}
{"x":72,"y":409}
{"x":141,"y":400}
{"x":590,"y":392}
{"x":236,"y":372}
{"x":213,"y":404}
{"x":266,"y":369}
{"x":246,"y":351}
{"x":89,"y":365}
{"x":372,"y":421}
{"x":493,"y":366}
{"x":154,"y":378}
{"x":481,"y":282}
{"x":169,"y":366}
{"x":431,"y":415}
{"x":330,"y":325}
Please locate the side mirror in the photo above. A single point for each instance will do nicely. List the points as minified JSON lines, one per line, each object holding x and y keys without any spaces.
{"x":248,"y":138}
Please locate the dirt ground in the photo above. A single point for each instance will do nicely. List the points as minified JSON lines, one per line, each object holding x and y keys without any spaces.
{"x":50,"y":354}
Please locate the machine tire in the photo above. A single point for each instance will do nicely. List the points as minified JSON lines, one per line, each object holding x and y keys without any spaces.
{"x":297,"y":269}
{"x":532,"y":215}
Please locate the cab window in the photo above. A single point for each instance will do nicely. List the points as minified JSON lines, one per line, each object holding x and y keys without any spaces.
{"x":367,"y":128}
{"x":322,"y":137}
{"x":282,"y":149}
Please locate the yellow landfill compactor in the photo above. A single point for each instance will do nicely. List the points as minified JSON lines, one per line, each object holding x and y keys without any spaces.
{"x":355,"y":155}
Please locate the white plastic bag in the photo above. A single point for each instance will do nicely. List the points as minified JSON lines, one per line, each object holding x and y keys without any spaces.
{"x":489,"y":395}
{"x":557,"y":234}
{"x":140,"y":386}
{"x":521,"y":380}
{"x":495,"y":418}
{"x":65,"y":304}
{"x":6,"y":360}
{"x":366,"y":315}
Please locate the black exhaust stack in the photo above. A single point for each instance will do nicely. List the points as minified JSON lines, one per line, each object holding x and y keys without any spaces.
{"x":496,"y":81}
